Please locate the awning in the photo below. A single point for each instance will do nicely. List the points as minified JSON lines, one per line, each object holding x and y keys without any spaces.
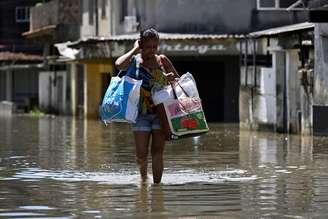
{"x":19,"y":56}
{"x":21,"y":66}
{"x":47,"y":30}
{"x":174,"y":44}
{"x":282,"y":30}
{"x":162,"y":36}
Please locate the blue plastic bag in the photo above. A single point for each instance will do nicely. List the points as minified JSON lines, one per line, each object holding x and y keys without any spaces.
{"x":121,"y":100}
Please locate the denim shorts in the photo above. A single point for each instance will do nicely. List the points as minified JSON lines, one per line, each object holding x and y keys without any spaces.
{"x":146,"y":123}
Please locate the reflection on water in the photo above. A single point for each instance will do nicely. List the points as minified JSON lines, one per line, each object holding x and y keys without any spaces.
{"x":59,"y":167}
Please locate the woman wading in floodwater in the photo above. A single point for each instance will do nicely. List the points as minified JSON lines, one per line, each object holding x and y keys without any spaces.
{"x":153,"y":69}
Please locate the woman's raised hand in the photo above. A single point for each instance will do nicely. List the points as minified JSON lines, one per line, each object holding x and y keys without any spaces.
{"x":136,"y":46}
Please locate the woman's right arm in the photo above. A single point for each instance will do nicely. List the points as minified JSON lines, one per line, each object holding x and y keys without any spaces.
{"x":122,"y":63}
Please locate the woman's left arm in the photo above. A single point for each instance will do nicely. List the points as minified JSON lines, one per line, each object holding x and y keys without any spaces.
{"x":168,"y":67}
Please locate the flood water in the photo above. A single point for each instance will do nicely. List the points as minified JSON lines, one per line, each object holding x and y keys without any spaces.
{"x":59,"y":167}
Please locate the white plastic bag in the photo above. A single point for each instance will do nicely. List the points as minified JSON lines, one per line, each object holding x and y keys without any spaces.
{"x":186,"y":85}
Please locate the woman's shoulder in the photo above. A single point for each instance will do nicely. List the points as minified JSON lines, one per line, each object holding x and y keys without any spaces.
{"x":163,"y":58}
{"x":165,"y":61}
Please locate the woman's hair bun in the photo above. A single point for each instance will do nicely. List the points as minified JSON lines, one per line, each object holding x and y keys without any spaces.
{"x":149,"y":33}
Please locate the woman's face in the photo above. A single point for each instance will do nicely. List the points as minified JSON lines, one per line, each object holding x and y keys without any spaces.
{"x":149,"y":48}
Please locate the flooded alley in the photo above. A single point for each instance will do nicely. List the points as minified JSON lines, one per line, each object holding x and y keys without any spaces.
{"x":61,"y":167}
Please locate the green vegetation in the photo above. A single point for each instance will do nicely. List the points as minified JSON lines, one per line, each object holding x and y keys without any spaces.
{"x":36,"y":112}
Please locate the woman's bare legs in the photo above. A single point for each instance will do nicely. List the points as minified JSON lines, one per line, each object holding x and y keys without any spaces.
{"x":142,"y":143}
{"x":157,"y":150}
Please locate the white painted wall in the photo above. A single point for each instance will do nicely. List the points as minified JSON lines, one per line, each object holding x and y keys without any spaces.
{"x":53,"y":95}
{"x":320,"y":93}
{"x":104,"y":21}
{"x":293,"y":91}
{"x":266,"y":106}
{"x":87,"y":29}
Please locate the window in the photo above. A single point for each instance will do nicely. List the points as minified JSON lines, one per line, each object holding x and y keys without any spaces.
{"x":22,"y":14}
{"x":277,"y":4}
{"x":103,"y":9}
{"x":91,"y":11}
{"x":124,"y":9}
{"x":266,"y":3}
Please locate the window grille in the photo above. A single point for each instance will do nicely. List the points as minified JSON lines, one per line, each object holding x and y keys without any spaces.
{"x":277,"y":4}
{"x":22,"y":14}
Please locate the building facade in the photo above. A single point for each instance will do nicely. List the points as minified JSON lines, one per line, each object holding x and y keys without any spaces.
{"x":53,"y":22}
{"x":276,"y":94}
{"x":262,"y":79}
{"x":320,"y":77}
{"x":287,"y":93}
{"x":201,"y":37}
{"x":20,"y":60}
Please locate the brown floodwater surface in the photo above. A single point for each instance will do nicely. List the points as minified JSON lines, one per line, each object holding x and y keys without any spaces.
{"x":61,"y":167}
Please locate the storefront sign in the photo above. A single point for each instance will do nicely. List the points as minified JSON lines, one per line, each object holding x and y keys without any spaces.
{"x":184,"y":47}
{"x":194,"y":47}
{"x":200,"y":49}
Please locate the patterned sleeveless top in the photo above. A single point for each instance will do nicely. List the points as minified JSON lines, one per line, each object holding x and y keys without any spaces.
{"x":152,"y":78}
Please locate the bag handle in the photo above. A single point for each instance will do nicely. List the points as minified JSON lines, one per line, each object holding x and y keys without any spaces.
{"x":123,"y":72}
{"x":176,"y":96}
{"x":174,"y":92}
{"x":160,"y":62}
{"x":159,"y":59}
{"x":137,"y":58}
{"x":120,"y":72}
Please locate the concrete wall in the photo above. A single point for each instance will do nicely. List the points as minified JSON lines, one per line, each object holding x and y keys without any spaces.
{"x":104,"y":18}
{"x":3,"y":78}
{"x":211,"y":16}
{"x":282,"y":101}
{"x":306,"y":102}
{"x":94,"y":87}
{"x":20,"y":86}
{"x":265,"y":102}
{"x":88,"y":27}
{"x":321,"y":65}
{"x":72,"y":108}
{"x":245,"y":108}
{"x":293,"y":91}
{"x":11,"y":32}
{"x":184,"y":16}
{"x":115,"y":21}
{"x":262,"y":104}
{"x":320,"y":88}
{"x":121,"y":11}
{"x":231,"y":89}
{"x":53,"y":96}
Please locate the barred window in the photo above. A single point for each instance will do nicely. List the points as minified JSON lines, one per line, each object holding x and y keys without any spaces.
{"x":22,"y":14}
{"x":276,"y":4}
{"x":103,"y":8}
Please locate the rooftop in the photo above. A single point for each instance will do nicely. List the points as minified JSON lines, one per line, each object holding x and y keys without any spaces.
{"x":282,"y":29}
{"x":162,"y":36}
{"x":12,"y":56}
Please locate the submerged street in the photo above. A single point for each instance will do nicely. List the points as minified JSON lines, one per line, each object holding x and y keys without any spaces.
{"x":61,"y":167}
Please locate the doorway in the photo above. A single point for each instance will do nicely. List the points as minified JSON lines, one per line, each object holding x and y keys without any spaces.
{"x":218,"y":83}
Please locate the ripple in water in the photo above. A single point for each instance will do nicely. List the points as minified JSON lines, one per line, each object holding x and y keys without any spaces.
{"x":129,"y":177}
